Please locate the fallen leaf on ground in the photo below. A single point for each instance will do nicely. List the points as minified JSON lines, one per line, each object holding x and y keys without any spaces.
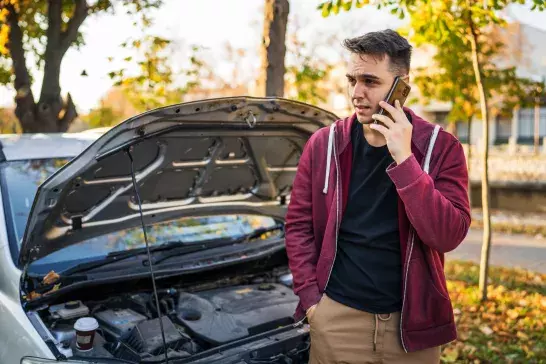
{"x":486,"y":330}
{"x":522,"y":335}
{"x":450,"y":355}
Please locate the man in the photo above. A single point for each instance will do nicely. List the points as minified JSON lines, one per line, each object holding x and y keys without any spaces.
{"x":370,"y":219}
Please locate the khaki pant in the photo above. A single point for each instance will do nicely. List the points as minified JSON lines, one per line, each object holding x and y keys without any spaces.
{"x":344,"y":335}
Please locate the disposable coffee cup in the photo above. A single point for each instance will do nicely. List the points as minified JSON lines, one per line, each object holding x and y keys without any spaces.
{"x":85,"y":332}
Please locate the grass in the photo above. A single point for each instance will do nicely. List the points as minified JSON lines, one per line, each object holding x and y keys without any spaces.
{"x":510,"y":327}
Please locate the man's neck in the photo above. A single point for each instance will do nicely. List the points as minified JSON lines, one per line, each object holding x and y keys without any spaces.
{"x":373,"y":137}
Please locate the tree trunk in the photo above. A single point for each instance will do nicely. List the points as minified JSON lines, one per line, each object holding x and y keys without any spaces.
{"x":273,"y":50}
{"x":51,"y":113}
{"x":486,"y":243}
{"x":469,"y":161}
{"x":537,"y":126}
{"x":24,"y":99}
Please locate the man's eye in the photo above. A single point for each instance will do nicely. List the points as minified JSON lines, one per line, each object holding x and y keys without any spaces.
{"x":370,"y":82}
{"x":352,"y":81}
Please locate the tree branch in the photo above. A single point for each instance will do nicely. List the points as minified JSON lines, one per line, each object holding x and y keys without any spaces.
{"x":17,"y":52}
{"x":71,"y":33}
{"x":54,"y":22}
{"x":52,"y":59}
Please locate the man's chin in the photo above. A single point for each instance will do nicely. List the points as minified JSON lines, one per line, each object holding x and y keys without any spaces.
{"x":366,"y":120}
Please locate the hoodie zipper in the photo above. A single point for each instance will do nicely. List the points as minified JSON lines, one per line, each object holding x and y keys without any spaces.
{"x":411,"y":238}
{"x":338,"y":191}
{"x":410,"y":244}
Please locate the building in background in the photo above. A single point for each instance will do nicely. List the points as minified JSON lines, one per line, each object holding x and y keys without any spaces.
{"x":526,"y":50}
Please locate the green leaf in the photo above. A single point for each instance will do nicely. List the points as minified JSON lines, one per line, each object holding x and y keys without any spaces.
{"x":5,"y":75}
{"x":336,"y":7}
{"x":361,"y":3}
{"x":326,"y":8}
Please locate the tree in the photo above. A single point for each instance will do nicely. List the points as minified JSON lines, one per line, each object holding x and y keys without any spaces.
{"x":45,"y":30}
{"x":306,"y":71}
{"x":467,"y":21}
{"x":452,"y":79}
{"x":273,"y":48}
{"x":102,"y":117}
{"x":156,"y":83}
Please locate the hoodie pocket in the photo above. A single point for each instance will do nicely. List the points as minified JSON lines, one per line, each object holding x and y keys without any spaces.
{"x":426,"y":305}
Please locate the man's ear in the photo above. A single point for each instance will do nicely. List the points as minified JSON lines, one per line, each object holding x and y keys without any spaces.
{"x":405,"y":78}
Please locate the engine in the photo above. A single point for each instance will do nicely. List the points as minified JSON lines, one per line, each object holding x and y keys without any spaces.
{"x":250,"y":322}
{"x":227,"y":314}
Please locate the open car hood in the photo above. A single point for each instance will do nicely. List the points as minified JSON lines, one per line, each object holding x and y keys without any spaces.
{"x":227,"y":155}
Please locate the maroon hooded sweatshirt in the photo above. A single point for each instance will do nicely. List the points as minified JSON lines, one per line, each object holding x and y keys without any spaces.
{"x":434,"y":218}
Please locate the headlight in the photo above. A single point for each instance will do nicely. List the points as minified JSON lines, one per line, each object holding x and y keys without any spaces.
{"x":32,"y":360}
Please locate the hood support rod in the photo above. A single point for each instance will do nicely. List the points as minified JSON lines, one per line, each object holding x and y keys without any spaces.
{"x":135,"y":186}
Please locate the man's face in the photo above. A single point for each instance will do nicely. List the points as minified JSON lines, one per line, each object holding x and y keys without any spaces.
{"x":369,"y":82}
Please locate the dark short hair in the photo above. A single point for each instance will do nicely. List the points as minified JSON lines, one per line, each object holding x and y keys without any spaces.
{"x":381,"y":43}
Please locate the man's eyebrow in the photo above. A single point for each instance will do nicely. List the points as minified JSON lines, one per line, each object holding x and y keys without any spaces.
{"x":363,"y":75}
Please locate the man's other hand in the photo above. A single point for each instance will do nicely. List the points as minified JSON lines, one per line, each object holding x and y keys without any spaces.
{"x":311,"y":311}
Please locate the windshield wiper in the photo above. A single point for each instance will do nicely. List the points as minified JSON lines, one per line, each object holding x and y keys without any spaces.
{"x":187,"y":249}
{"x":258,"y":232}
{"x":215,"y":243}
{"x":118,"y":256}
{"x":171,"y":249}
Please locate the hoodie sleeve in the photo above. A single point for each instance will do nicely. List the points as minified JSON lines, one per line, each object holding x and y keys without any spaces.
{"x":439,"y":210}
{"x":300,"y":240}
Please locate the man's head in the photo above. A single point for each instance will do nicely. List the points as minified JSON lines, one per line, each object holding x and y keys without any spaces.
{"x":376,"y":59}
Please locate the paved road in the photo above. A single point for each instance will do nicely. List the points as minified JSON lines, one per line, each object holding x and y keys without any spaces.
{"x":506,"y":250}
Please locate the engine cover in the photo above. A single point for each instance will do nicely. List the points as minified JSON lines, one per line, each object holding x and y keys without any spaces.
{"x":223,"y":315}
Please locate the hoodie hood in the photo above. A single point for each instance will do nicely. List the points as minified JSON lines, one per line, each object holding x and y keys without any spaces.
{"x":339,"y":138}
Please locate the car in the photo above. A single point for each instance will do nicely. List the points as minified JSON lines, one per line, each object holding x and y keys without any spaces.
{"x":158,"y":240}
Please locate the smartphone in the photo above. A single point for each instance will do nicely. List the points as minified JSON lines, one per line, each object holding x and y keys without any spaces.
{"x":399,"y":91}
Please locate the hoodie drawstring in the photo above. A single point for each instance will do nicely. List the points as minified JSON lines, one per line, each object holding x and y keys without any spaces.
{"x":329,"y":156}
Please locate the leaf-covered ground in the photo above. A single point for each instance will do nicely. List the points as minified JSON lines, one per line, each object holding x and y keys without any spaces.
{"x":510,"y":327}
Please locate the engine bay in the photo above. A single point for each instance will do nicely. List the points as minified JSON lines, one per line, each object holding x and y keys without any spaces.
{"x":247,"y":322}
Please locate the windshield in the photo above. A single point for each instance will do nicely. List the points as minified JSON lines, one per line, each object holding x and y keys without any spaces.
{"x":20,"y":181}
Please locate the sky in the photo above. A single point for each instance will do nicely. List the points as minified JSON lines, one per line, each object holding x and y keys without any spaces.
{"x":209,"y":23}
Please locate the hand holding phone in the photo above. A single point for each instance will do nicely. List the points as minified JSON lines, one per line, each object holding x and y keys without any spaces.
{"x":396,"y":129}
{"x":399,"y":91}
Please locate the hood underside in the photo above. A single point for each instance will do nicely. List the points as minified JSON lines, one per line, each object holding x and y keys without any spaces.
{"x":228,"y":155}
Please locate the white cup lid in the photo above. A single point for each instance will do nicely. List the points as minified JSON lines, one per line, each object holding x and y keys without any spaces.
{"x":86,"y":324}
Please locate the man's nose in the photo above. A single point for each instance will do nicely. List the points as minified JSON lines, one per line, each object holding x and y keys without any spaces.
{"x":359,"y":91}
